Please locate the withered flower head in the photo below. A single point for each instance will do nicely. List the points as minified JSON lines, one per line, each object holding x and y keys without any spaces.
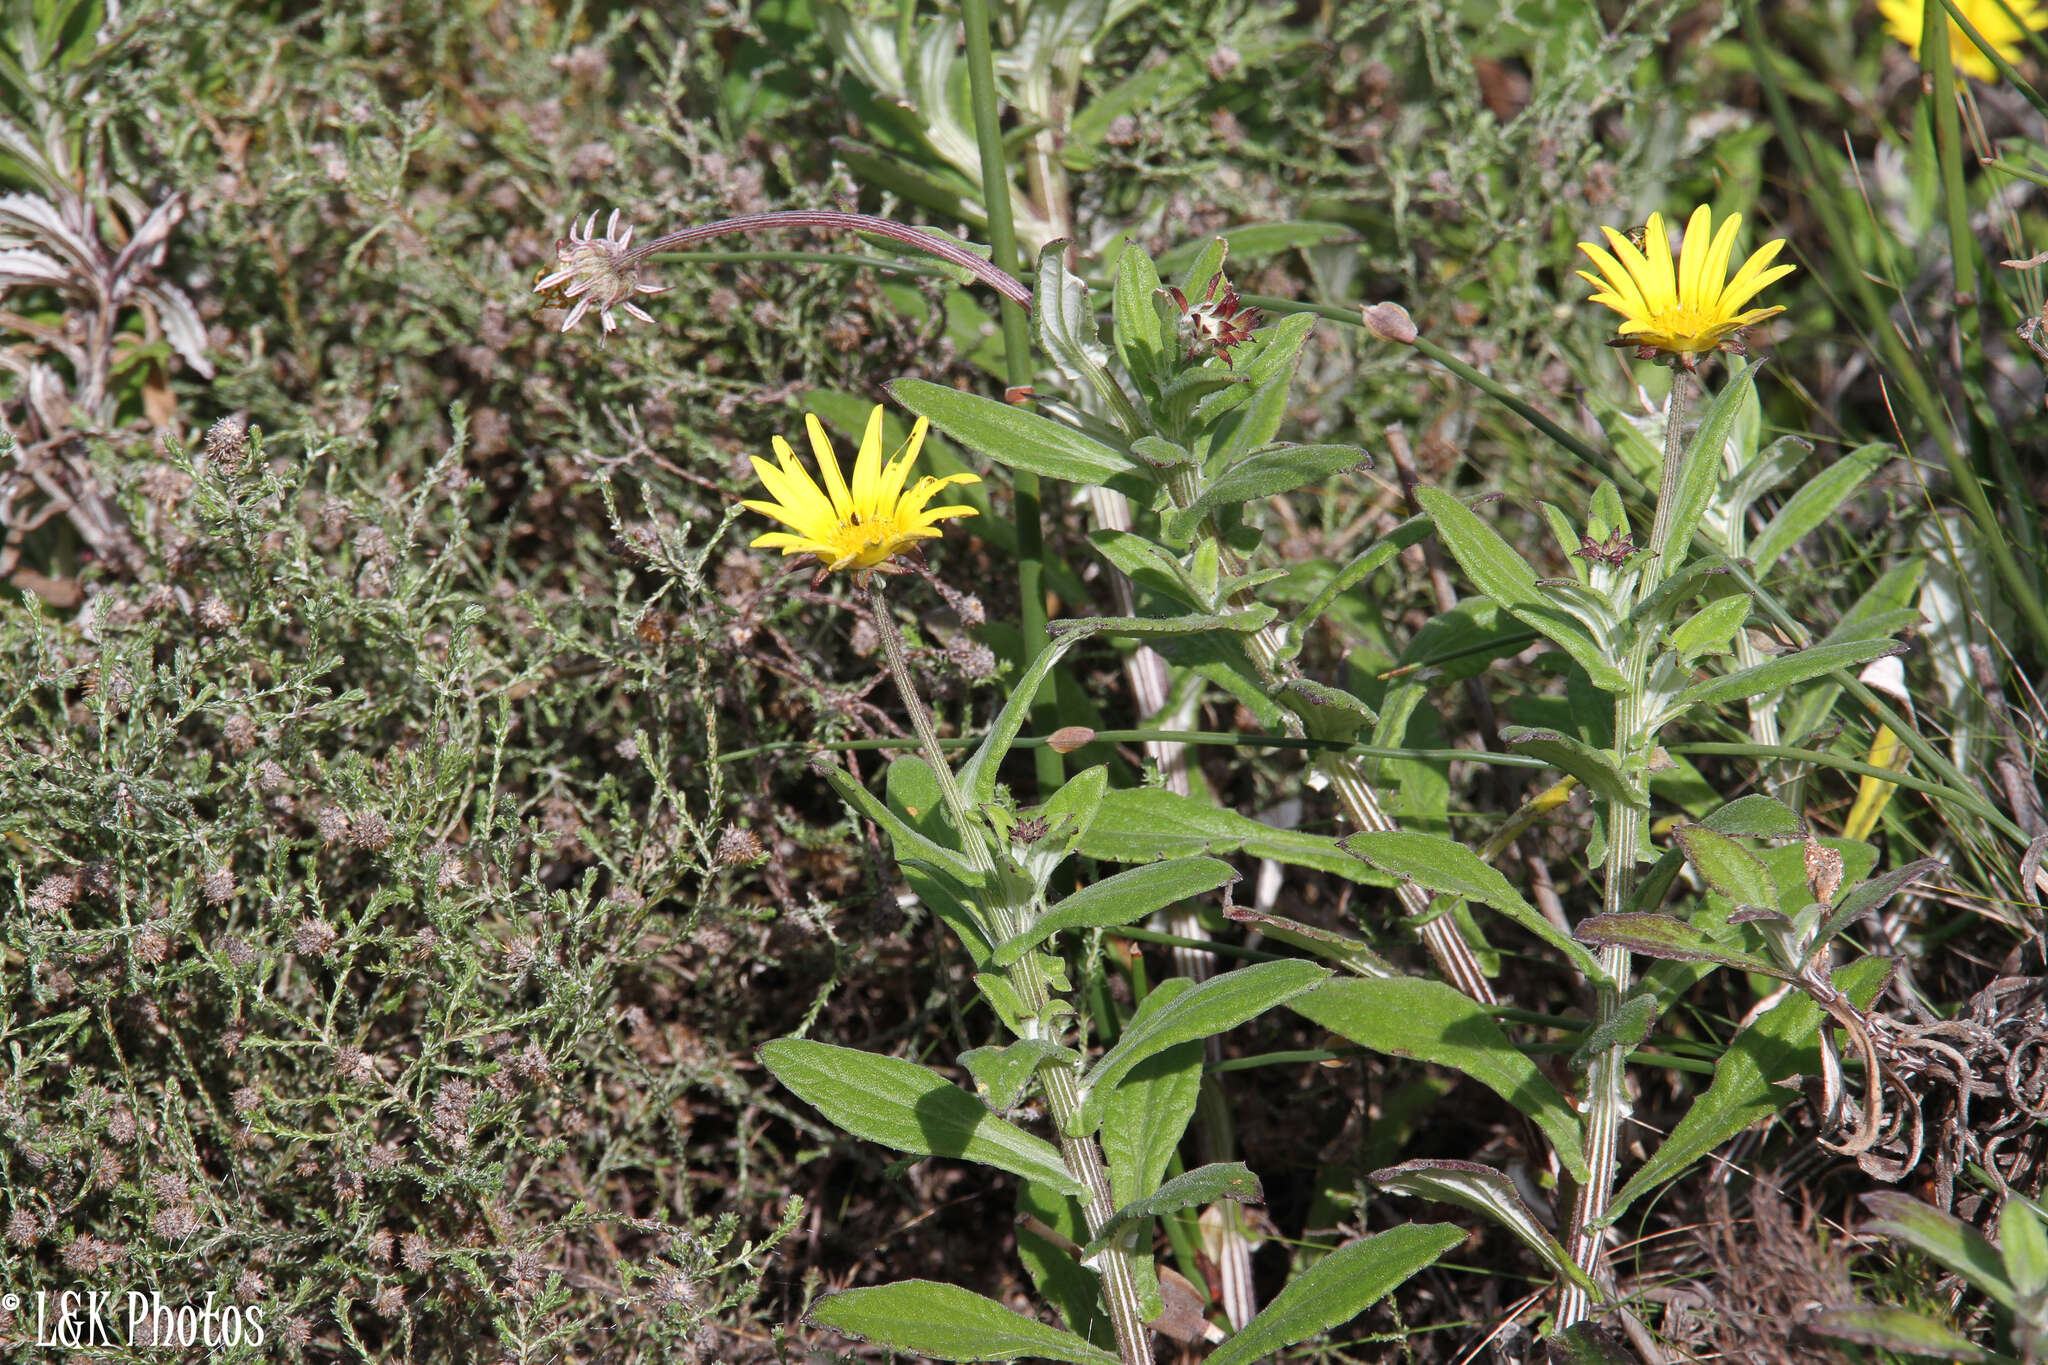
{"x":593,"y":270}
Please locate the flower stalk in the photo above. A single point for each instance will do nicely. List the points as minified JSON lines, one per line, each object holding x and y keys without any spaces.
{"x":1011,"y":908}
{"x":1606,"y":1081}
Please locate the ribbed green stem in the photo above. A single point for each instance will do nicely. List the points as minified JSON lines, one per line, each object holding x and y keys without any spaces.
{"x":1011,"y":909}
{"x":1606,"y":1081}
{"x":1017,"y":366}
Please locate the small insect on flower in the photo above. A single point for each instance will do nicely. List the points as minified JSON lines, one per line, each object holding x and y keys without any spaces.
{"x":1212,"y":323}
{"x":858,"y":528}
{"x":1693,"y":308}
{"x":592,"y":270}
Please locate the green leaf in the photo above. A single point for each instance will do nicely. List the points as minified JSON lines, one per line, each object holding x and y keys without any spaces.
{"x":1486,"y":1192}
{"x":1264,"y":474}
{"x":910,"y":846}
{"x":1433,"y":1022}
{"x":1757,"y":816}
{"x":1144,"y":1117}
{"x":1446,"y":866}
{"x":1216,"y":1006}
{"x":1712,"y":628}
{"x":1122,"y":899}
{"x":1328,"y":713}
{"x":1382,"y":551}
{"x":1353,"y":955}
{"x":2023,"y":1242}
{"x":1671,"y":939}
{"x":1147,"y":564}
{"x":978,"y":773}
{"x":1001,"y":1073}
{"x":1625,"y":1028}
{"x":1787,"y":670}
{"x":1744,"y":1088}
{"x":1704,"y":459}
{"x":1946,"y":1239}
{"x":1503,"y":575}
{"x":1728,"y":867}
{"x":1013,"y":437}
{"x":1203,"y":1185}
{"x":1064,"y":326}
{"x":1141,"y":339}
{"x":1871,"y":896}
{"x":945,"y":1322}
{"x":1154,"y":627}
{"x":1336,"y":1289}
{"x":1814,"y":503}
{"x":1895,"y":1329}
{"x":907,"y":1108}
{"x":1598,"y":770}
{"x":1140,"y":824}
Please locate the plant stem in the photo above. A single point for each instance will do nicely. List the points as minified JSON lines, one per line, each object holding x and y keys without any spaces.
{"x":1017,"y":366}
{"x":1010,"y":908}
{"x":1606,"y":1082}
{"x":945,"y":248}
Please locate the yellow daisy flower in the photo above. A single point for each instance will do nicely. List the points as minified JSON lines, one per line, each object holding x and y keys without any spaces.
{"x":1694,"y":308}
{"x":1902,"y":19}
{"x":852,"y":528}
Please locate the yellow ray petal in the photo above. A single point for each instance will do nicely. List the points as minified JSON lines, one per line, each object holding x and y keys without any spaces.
{"x":867,"y":468}
{"x":828,"y":466}
{"x":1692,"y":255}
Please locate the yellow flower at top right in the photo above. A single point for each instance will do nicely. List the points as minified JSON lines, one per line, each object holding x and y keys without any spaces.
{"x":1990,"y":19}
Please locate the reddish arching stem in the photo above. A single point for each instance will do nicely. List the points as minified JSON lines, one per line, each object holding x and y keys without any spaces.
{"x":945,"y":248}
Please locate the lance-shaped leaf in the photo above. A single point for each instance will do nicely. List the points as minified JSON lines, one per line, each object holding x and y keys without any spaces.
{"x":1673,"y":940}
{"x":906,"y":1107}
{"x":1814,"y":502}
{"x":1155,"y":627}
{"x":1263,"y":474}
{"x":1353,"y":955}
{"x":1139,"y":824}
{"x":1326,"y":712}
{"x":1895,"y":1329}
{"x":1144,"y":1117}
{"x":1000,"y":1073}
{"x":1123,"y":899}
{"x":1728,"y":867}
{"x":1787,"y":670}
{"x":978,"y":773}
{"x":1710,"y":629}
{"x":1375,"y":556}
{"x":1598,"y":770}
{"x":1487,"y":1192}
{"x":1147,"y":564}
{"x":1203,"y":1185}
{"x":1703,"y":461}
{"x":911,"y":846}
{"x":1064,"y":325}
{"x":1744,"y":1089}
{"x":945,"y":1322}
{"x":1337,"y":1289}
{"x":1141,"y":338}
{"x":1869,"y":897}
{"x":1498,"y":571}
{"x":1946,"y":1239}
{"x":1757,"y":816}
{"x":1216,"y":1006}
{"x":1433,"y":1022}
{"x":1012,"y":437}
{"x":1449,"y":867}
{"x":1587,"y":1343}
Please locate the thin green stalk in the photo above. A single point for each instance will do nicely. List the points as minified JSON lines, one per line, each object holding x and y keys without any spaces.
{"x":1607,"y":1082}
{"x":1017,"y":366}
{"x":1011,"y":908}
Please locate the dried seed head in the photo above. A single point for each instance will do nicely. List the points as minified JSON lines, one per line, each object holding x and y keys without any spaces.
{"x":246,"y":1100}
{"x":271,"y":776}
{"x":370,"y":831}
{"x":354,"y":1065}
{"x":175,"y":1223}
{"x":54,"y":893}
{"x":416,"y":1252}
{"x":595,"y":271}
{"x":24,"y":1229}
{"x":332,"y":822}
{"x":214,"y":614}
{"x":240,"y":733}
{"x":390,"y":1301}
{"x":314,"y":937}
{"x":739,"y":848}
{"x":1030,"y":829}
{"x":218,"y":886}
{"x":227,"y":443}
{"x":379,"y":1244}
